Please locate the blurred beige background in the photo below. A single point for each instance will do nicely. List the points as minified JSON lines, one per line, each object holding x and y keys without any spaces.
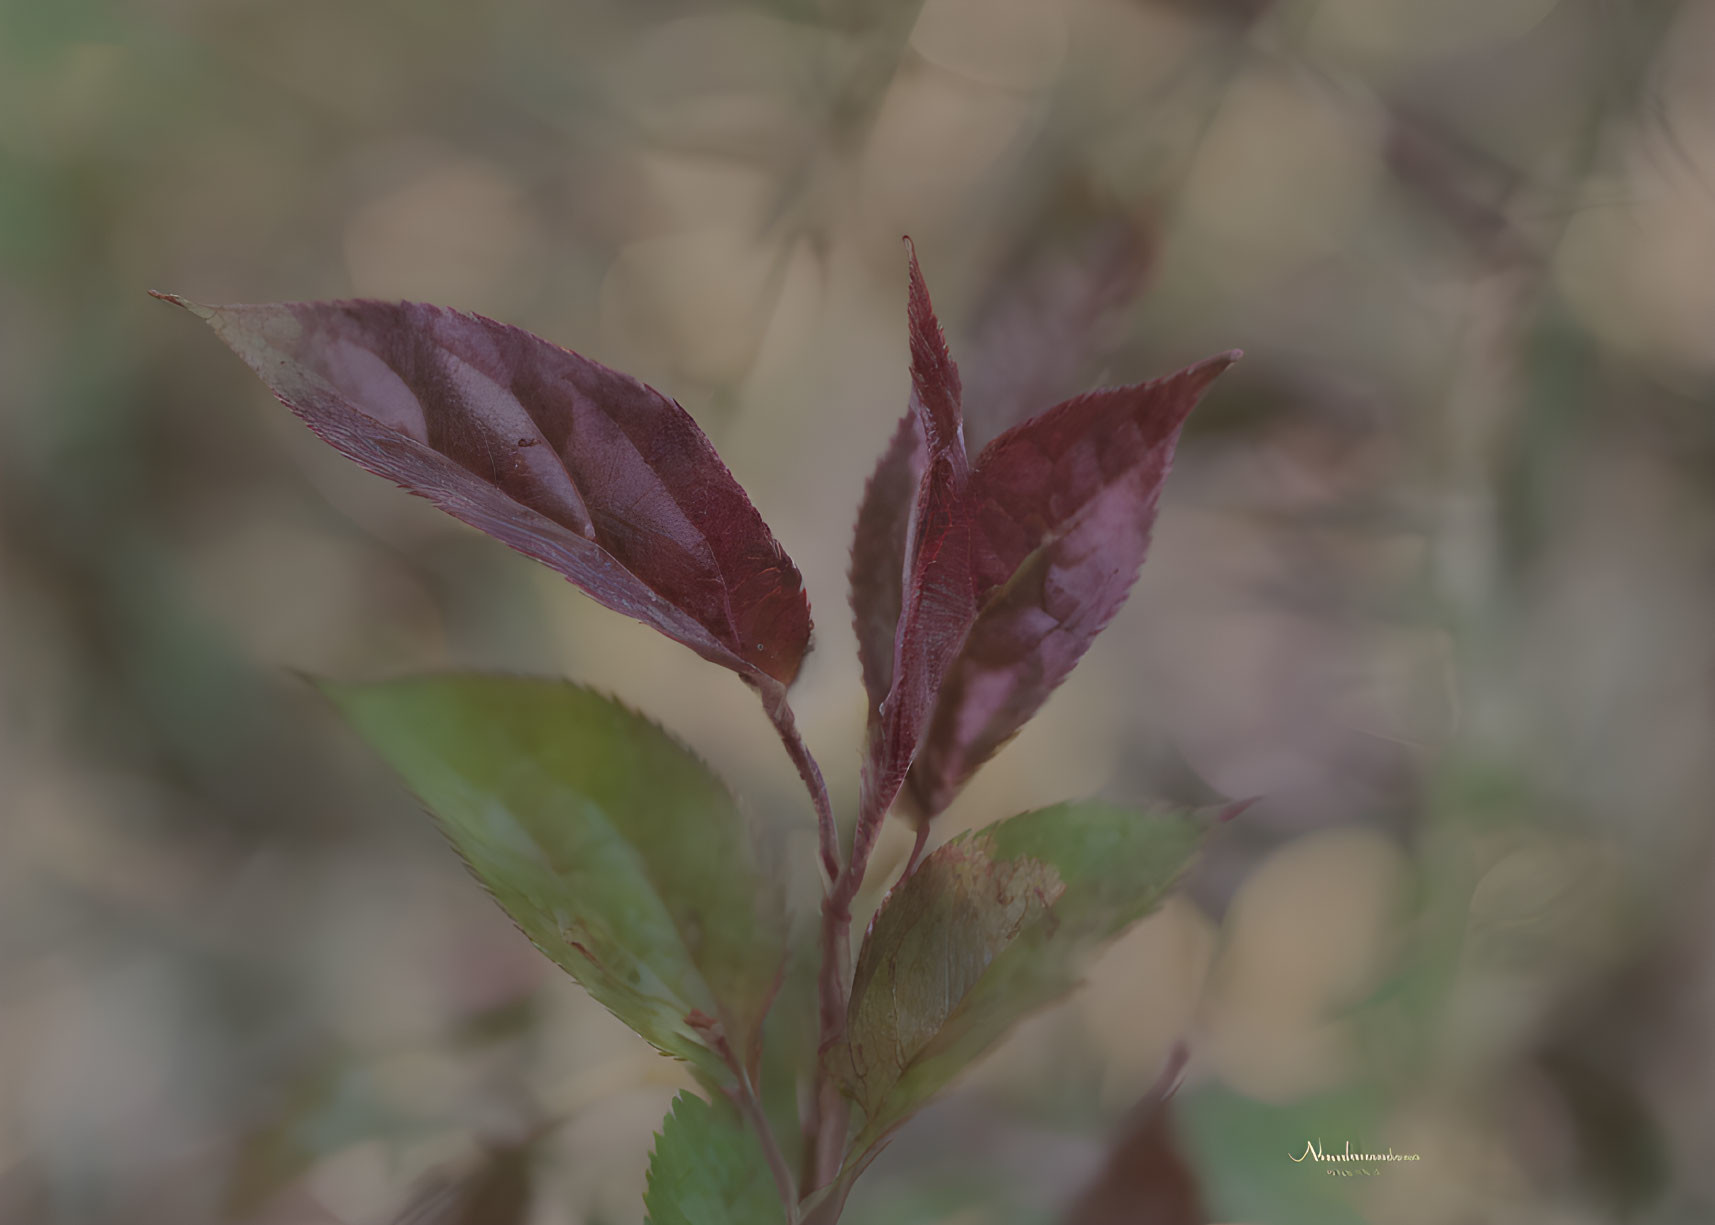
{"x":1434,"y":576}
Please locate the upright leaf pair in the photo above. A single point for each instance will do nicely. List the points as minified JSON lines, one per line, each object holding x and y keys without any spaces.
{"x":977,"y":587}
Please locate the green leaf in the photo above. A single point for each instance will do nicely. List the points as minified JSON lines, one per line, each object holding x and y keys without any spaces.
{"x":609,"y":843}
{"x":709,"y":1169}
{"x":926,"y":956}
{"x":991,"y":927}
{"x":1118,"y":863}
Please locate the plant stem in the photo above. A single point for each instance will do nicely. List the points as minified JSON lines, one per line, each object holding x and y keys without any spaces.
{"x":917,"y":849}
{"x":826,"y":1136}
{"x":827,"y":832}
{"x":872,"y":814}
{"x":825,"y":1130}
{"x":744,"y":1096}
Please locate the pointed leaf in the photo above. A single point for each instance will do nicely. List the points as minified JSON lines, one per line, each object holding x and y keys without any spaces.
{"x":936,"y":393}
{"x":709,"y":1169}
{"x":1062,"y":507}
{"x":610,"y":845}
{"x":990,"y":927}
{"x":939,"y":600}
{"x":1006,"y":569}
{"x":878,"y":556}
{"x":1050,"y":312}
{"x":585,"y":469}
{"x":932,"y":629}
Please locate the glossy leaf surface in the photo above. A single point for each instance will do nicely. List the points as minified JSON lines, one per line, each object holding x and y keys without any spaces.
{"x":581,"y":467}
{"x":709,"y":1169}
{"x":977,"y":587}
{"x":609,"y":844}
{"x":990,"y":927}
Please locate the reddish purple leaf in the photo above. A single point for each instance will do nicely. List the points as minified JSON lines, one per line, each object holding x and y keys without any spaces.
{"x":939,"y":612}
{"x":585,"y":469}
{"x":996,"y":578}
{"x":932,"y":425}
{"x":935,"y":389}
{"x":878,"y":556}
{"x":1062,"y":507}
{"x":939,"y":600}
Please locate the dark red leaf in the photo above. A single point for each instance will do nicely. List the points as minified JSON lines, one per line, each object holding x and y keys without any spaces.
{"x":994,"y":581}
{"x":935,"y":388}
{"x":585,"y":469}
{"x":938,"y":615}
{"x":939,"y":599}
{"x":878,"y":556}
{"x":1061,"y":508}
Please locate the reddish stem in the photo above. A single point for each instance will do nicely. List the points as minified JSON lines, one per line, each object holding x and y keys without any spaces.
{"x":917,"y":849}
{"x":825,"y":1134}
{"x":825,"y":1130}
{"x":744,"y":1095}
{"x":780,"y":714}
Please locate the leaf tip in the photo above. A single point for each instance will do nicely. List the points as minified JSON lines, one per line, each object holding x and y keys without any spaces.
{"x":921,"y":311}
{"x":936,"y":389}
{"x":195,"y":308}
{"x":1235,"y":808}
{"x":1209,"y":369}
